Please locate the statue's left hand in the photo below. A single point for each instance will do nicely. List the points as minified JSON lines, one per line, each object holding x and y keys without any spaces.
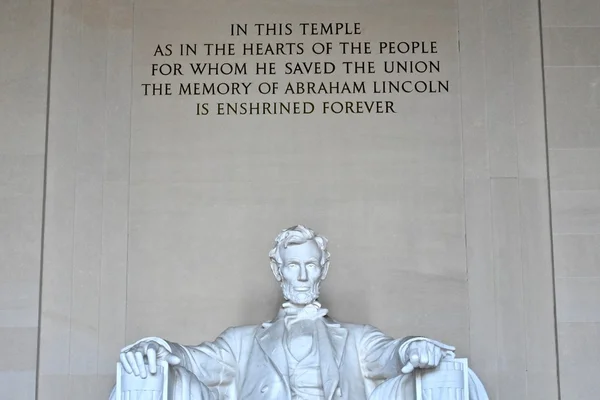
{"x":426,"y":354}
{"x":135,"y":357}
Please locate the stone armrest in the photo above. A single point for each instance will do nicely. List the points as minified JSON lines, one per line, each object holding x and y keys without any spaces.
{"x":451,"y":380}
{"x":169,"y":383}
{"x":153,"y":387}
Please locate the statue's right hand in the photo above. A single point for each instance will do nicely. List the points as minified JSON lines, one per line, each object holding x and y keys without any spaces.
{"x":134,"y":358}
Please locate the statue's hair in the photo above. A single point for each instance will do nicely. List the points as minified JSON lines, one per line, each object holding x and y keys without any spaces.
{"x":298,"y":234}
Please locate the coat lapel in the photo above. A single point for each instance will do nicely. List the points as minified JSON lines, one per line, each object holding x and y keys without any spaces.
{"x":270,"y":340}
{"x":332,"y":342}
{"x":337,"y":337}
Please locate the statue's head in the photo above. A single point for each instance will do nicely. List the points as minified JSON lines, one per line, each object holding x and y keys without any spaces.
{"x":299,"y":261}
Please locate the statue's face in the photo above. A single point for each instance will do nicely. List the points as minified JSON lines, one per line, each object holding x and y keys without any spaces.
{"x":301,"y":272}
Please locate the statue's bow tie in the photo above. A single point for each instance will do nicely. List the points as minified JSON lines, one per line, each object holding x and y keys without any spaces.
{"x":311,"y":312}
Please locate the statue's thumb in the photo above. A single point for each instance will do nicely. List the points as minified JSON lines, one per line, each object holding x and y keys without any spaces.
{"x":173,"y":359}
{"x":408,"y":368}
{"x":413,"y":360}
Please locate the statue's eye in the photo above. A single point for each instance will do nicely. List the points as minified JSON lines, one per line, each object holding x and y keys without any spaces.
{"x":311,"y":265}
{"x":293,"y":265}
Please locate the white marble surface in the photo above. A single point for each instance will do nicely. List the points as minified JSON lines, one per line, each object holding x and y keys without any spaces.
{"x":302,"y":353}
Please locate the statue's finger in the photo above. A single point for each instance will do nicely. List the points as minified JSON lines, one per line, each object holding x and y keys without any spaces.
{"x":134,"y":366}
{"x":448,"y":355}
{"x":151,"y":354}
{"x":431,"y":354}
{"x":173,"y":359}
{"x":139,"y":358}
{"x":443,"y":346}
{"x":414,"y":358}
{"x":153,"y":346}
{"x":437,"y":356}
{"x":408,"y":368}
{"x":424,"y":359}
{"x":125,"y":363}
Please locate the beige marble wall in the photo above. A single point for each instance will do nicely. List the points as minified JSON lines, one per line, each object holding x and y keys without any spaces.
{"x":85,"y":252}
{"x":506,"y":197}
{"x":385,"y":189}
{"x":461,"y":232}
{"x":572,"y":72}
{"x":24,"y":44}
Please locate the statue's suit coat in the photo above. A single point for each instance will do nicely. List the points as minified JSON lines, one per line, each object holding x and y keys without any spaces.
{"x":249,"y":362}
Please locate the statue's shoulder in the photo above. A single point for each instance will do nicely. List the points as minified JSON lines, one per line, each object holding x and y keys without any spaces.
{"x":241,"y":330}
{"x":358,"y":330}
{"x":347,"y":325}
{"x":352,"y":326}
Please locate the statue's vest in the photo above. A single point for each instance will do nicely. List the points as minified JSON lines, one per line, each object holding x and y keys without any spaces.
{"x":303,"y":363}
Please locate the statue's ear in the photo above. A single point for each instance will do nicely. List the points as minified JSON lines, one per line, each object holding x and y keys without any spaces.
{"x":275,"y":269}
{"x":325,"y":270}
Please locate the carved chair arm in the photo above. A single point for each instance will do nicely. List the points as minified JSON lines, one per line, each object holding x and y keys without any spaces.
{"x":153,"y":387}
{"x":449,"y":381}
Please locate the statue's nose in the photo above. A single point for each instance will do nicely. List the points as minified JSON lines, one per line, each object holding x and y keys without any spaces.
{"x":302,"y":275}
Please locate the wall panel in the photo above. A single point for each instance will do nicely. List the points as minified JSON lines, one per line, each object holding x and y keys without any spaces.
{"x":24,"y":45}
{"x":572,"y":70}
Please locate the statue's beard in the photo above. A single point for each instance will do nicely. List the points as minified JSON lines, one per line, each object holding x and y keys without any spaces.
{"x":296,"y":297}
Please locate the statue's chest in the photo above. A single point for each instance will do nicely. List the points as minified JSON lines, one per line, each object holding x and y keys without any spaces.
{"x":300,"y":340}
